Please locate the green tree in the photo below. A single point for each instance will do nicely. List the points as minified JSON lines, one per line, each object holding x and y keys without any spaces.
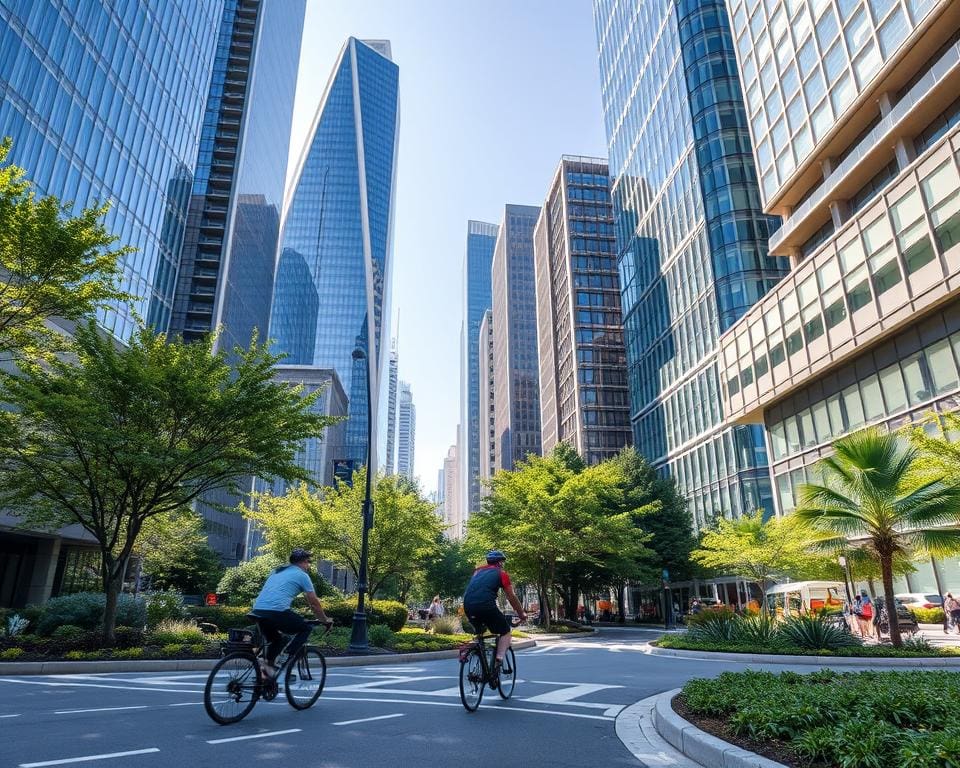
{"x":329,"y":522}
{"x":447,"y":573}
{"x":52,"y":264}
{"x":552,"y":512}
{"x":759,"y":550}
{"x":879,"y":494}
{"x":242,"y":583}
{"x":176,"y":554}
{"x":114,"y":437}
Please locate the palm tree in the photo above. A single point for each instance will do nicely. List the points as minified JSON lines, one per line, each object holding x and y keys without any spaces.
{"x":877,"y":494}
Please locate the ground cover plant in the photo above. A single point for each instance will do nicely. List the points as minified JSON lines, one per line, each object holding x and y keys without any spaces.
{"x":834,"y":719}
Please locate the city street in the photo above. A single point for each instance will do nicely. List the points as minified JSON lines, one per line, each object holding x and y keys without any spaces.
{"x":567,"y":698}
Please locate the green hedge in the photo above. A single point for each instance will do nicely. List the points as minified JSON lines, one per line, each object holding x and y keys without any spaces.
{"x":223,"y":616}
{"x":851,"y":719}
{"x":388,"y":612}
{"x":928,"y":615}
{"x":683,"y":643}
{"x":85,"y":610}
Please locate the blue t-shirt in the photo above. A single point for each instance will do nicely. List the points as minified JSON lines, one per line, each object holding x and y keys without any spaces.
{"x":281,"y":587}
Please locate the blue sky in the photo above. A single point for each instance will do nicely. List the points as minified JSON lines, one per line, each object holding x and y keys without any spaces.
{"x":491,"y":95}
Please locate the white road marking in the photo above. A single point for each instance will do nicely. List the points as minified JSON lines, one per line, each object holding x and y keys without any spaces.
{"x":89,"y":758}
{"x":3,"y":716}
{"x":90,"y":685}
{"x":565,"y":696}
{"x":369,"y":719}
{"x":254,"y":736}
{"x":494,"y":703}
{"x":100,"y":709}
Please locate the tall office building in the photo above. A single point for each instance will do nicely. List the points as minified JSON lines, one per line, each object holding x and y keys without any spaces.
{"x":389,"y":466}
{"x":487,"y":413}
{"x":516,"y":373}
{"x":481,"y":239}
{"x":453,"y":521}
{"x":857,"y":128}
{"x":228,"y":258}
{"x":338,"y":232}
{"x":583,"y":370}
{"x":406,"y":432}
{"x":691,"y":236}
{"x":106,"y":103}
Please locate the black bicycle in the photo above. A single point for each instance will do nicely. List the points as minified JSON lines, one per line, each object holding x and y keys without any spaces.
{"x":478,"y":670}
{"x":237,"y":681}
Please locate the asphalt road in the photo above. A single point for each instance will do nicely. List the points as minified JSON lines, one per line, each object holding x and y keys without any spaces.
{"x":567,"y":697}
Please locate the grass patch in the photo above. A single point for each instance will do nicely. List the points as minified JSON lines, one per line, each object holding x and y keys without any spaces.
{"x":833,"y":719}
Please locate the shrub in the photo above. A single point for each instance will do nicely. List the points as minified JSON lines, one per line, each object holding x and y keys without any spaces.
{"x":720,"y":613}
{"x":10,"y":654}
{"x":718,"y":627}
{"x":380,"y":635}
{"x":243,"y":582}
{"x":128,"y":653}
{"x":928,"y":615}
{"x":388,"y":612}
{"x":82,"y":655}
{"x":197,"y":648}
{"x":447,"y":625}
{"x":163,"y":605}
{"x":757,"y":630}
{"x":815,"y":633}
{"x":68,"y":632}
{"x":918,"y":644}
{"x":172,"y":631}
{"x":15,"y":624}
{"x":172,"y":649}
{"x":223,"y":617}
{"x":85,"y":609}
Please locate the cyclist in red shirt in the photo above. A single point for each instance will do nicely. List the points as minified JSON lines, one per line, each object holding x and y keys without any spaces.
{"x":480,"y":601}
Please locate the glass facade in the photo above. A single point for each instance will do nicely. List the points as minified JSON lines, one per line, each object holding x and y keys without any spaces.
{"x":516,"y":366}
{"x":487,"y":413}
{"x":331,"y":296}
{"x":229,"y":252}
{"x":805,"y":62}
{"x":584,"y":399}
{"x":104,"y":102}
{"x":390,"y":466}
{"x":481,"y":239}
{"x":692,"y":241}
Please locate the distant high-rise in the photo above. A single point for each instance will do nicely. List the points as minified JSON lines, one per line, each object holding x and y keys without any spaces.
{"x":583,"y":373}
{"x":339,"y":225}
{"x":481,"y":239}
{"x":691,"y":236}
{"x":516,"y":371}
{"x":406,"y":431}
{"x":453,"y":520}
{"x":105,"y":102}
{"x":228,"y":258}
{"x":389,"y":466}
{"x":487,"y":410}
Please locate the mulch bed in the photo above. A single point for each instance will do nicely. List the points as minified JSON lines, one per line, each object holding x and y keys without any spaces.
{"x":716,"y":726}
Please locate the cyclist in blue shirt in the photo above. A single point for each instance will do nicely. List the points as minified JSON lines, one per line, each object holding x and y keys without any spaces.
{"x":480,"y":602}
{"x":273,"y":606}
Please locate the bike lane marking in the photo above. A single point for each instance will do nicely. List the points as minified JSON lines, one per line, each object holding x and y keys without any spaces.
{"x":369,"y":719}
{"x":98,"y":709}
{"x":89,"y":758}
{"x":254,"y":736}
{"x":492,"y":704}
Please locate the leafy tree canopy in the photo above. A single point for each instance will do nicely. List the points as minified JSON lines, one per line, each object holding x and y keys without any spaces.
{"x":176,"y":554}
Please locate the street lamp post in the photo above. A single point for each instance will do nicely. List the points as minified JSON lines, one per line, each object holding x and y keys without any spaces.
{"x":847,"y":580}
{"x":358,"y":635}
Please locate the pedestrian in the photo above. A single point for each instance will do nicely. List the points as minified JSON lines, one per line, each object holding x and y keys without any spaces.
{"x":864,"y":614}
{"x":951,"y":612}
{"x":436,"y":610}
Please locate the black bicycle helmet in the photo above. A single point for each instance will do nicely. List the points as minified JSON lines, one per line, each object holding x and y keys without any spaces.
{"x":299,"y":554}
{"x":495,"y":556}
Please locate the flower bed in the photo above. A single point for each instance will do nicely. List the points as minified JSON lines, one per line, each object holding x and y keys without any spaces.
{"x":830,"y":719}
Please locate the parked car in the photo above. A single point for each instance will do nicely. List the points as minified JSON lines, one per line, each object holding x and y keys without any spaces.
{"x":920,"y":600}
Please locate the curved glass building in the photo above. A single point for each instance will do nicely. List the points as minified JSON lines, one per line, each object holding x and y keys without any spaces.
{"x":105,"y":102}
{"x":338,"y":232}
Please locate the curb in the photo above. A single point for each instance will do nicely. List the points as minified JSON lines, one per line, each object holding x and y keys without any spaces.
{"x":194,"y":665}
{"x":932,"y":662}
{"x":700,"y":746}
{"x":636,"y":730}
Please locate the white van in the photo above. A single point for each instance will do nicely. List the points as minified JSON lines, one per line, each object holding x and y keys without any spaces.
{"x":801,"y":598}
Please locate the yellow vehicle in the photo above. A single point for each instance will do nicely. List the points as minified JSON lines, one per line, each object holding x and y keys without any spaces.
{"x":805,"y":598}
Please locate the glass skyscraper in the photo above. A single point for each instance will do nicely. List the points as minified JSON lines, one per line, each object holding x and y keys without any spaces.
{"x":481,"y":239}
{"x":514,"y":319}
{"x":390,"y":464}
{"x":406,"y":432}
{"x":583,"y":370}
{"x":337,"y":235}
{"x":691,"y":236}
{"x":105,"y":102}
{"x":229,"y":251}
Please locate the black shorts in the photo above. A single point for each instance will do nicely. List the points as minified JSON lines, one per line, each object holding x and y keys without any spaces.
{"x":489,"y":617}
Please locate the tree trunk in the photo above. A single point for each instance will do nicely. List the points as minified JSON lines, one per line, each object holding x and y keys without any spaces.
{"x":886,"y":568}
{"x":764,"y":610}
{"x":544,"y":606}
{"x":112,"y":572}
{"x":621,"y":609}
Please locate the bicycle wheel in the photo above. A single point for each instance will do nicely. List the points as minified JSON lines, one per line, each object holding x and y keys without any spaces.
{"x":232,"y":688}
{"x":305,"y":678}
{"x":472,"y":680}
{"x":508,"y":675}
